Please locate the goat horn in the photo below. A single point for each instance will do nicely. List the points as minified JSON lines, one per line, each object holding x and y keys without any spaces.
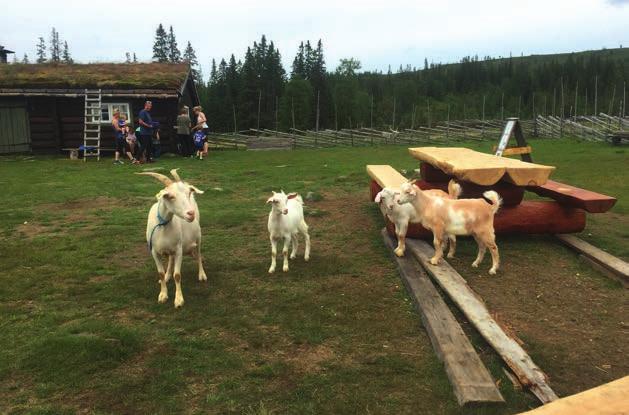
{"x":173,"y":173}
{"x":164,"y":179}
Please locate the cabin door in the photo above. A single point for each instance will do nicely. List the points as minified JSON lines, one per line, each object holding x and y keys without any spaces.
{"x":14,"y":129}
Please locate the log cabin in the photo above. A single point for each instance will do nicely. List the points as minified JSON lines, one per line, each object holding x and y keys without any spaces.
{"x":42,"y":106}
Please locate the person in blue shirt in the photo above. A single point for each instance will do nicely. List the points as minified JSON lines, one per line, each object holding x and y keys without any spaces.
{"x":146,"y":132}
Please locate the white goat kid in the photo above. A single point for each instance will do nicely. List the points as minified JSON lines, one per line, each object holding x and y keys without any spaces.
{"x":457,"y":217}
{"x":286,"y":221}
{"x":403,"y":214}
{"x":173,"y":230}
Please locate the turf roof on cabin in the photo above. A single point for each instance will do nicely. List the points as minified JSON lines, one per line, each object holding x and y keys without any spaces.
{"x":169,"y":76}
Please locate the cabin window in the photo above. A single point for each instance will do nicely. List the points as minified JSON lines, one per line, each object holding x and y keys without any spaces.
{"x":107,"y":110}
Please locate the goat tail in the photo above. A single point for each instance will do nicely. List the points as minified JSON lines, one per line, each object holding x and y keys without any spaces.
{"x":454,"y":189}
{"x":496,"y":201}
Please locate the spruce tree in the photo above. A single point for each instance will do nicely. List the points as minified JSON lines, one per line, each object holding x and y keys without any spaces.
{"x":174,"y":55}
{"x":213,"y":73}
{"x":127,"y":58}
{"x":55,"y":46}
{"x":25,"y":59}
{"x":299,"y":64}
{"x":41,"y":51}
{"x":160,"y":46}
{"x":190,"y":56}
{"x":66,"y":54}
{"x":135,"y":59}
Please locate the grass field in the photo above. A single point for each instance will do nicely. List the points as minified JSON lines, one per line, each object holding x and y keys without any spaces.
{"x":82,"y":331}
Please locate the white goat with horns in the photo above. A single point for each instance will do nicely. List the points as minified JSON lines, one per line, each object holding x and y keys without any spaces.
{"x":286,"y":220}
{"x":173,"y":230}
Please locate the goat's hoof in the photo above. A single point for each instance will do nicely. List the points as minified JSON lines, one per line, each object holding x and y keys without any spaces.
{"x":398,"y":252}
{"x":271,"y":270}
{"x":285,"y":268}
{"x":202,"y":277}
{"x":293,"y":256}
{"x":162,"y":298}
{"x":178,"y":302}
{"x":492,"y":271}
{"x":474,"y":264}
{"x":450,"y":255}
{"x":307,"y":258}
{"x":434,"y":261}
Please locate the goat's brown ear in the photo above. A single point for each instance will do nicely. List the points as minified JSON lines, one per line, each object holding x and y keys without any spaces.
{"x":292,"y":195}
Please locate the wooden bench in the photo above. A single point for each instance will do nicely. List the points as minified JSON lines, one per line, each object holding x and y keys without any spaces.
{"x":574,"y":197}
{"x":607,"y":399}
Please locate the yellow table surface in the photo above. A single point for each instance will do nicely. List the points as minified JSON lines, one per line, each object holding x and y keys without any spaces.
{"x":480,"y":168}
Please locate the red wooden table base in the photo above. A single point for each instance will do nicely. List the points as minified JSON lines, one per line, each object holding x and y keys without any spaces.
{"x":530,"y":217}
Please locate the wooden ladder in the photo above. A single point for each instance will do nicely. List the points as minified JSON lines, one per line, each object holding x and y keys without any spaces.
{"x":91,"y":134}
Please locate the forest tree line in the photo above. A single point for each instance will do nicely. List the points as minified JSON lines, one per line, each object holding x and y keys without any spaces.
{"x":348,"y":98}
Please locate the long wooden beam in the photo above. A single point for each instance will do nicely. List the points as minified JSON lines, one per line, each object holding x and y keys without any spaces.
{"x":468,"y":376}
{"x":614,"y":265}
{"x":575,"y":197}
{"x":527,"y":372}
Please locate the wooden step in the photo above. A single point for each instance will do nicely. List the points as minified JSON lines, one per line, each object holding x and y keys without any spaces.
{"x":574,"y":197}
{"x":468,"y":376}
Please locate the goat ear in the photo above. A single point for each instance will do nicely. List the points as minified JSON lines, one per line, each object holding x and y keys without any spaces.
{"x":195,"y":190}
{"x":292,"y":195}
{"x":270,"y":199}
{"x":378,"y":197}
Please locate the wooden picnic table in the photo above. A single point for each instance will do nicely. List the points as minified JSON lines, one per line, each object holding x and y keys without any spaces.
{"x":480,"y":168}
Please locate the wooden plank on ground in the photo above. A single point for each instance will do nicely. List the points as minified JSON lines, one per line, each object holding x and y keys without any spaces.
{"x":615,"y":265}
{"x":469,"y":377}
{"x":608,"y":399}
{"x":574,"y":197}
{"x":527,"y":372}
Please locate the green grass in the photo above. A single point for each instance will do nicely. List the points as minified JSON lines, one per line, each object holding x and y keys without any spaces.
{"x":82,"y":330}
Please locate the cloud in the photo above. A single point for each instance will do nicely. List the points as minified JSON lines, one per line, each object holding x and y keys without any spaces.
{"x":618,"y":2}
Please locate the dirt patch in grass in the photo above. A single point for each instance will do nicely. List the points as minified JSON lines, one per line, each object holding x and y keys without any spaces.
{"x":32,"y":230}
{"x":132,"y":257}
{"x":306,"y":358}
{"x":100,"y":202}
{"x":568,"y":317}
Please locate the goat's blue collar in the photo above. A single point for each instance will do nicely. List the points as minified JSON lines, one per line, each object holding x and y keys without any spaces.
{"x":160,"y":222}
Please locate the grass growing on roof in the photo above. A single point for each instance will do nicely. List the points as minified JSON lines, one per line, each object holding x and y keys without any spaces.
{"x":83,"y":332}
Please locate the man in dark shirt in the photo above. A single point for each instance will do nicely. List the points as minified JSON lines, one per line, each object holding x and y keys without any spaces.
{"x":146,"y":132}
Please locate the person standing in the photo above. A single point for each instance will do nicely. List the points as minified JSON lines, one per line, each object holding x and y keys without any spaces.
{"x":119,"y":140}
{"x":183,"y":132}
{"x":146,"y":132}
{"x":202,"y":127}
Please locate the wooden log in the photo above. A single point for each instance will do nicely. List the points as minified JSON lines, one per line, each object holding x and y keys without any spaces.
{"x":470,"y":379}
{"x":614,"y":265}
{"x":607,"y":399}
{"x":511,"y":194}
{"x":529,"y":217}
{"x":527,"y":372}
{"x":574,"y":197}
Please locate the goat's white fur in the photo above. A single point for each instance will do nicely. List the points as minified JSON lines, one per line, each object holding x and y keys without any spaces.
{"x":457,"y":217}
{"x":180,"y":236}
{"x":403,"y":214}
{"x":286,"y":221}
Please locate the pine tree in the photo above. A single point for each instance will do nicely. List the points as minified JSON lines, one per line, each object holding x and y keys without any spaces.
{"x":25,"y":59}
{"x":127,"y":58}
{"x":190,"y":56}
{"x":213,"y":73}
{"x":135,"y":59}
{"x":299,"y":64}
{"x":55,"y":46}
{"x":174,"y":55}
{"x":160,"y":47}
{"x":41,"y":51}
{"x":66,"y":54}
{"x":308,"y":60}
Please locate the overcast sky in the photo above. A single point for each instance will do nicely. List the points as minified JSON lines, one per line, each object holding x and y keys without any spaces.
{"x":378,"y":33}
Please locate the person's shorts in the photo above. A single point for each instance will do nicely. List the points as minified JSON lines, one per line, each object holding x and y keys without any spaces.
{"x":121,"y":144}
